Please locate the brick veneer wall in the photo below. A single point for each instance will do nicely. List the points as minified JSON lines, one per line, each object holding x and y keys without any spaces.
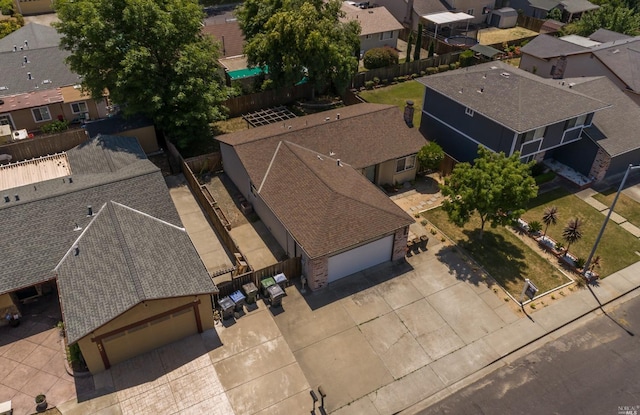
{"x":400,"y":243}
{"x":600,"y":165}
{"x":318,"y":273}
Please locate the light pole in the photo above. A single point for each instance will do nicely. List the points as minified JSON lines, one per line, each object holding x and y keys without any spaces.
{"x":604,"y":224}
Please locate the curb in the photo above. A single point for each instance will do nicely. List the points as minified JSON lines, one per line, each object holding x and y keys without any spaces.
{"x":487,"y":369}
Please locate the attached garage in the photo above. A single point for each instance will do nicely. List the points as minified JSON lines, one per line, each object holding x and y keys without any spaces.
{"x":360,"y":258}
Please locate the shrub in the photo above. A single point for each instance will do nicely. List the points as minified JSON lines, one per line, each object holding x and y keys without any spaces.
{"x":267,"y":85}
{"x":380,"y":57}
{"x":422,"y":73}
{"x":368,"y":84}
{"x":559,"y":246}
{"x":535,"y":226}
{"x":55,"y":127}
{"x":466,"y":58}
{"x":423,"y":222}
{"x":545,"y":177}
{"x":579,"y":262}
{"x":443,"y":68}
{"x":452,"y":66}
{"x":431,"y":70}
{"x":537,"y":169}
{"x":376,"y":80}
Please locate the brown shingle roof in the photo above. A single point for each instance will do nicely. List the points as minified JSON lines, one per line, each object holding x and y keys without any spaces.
{"x":229,"y":35}
{"x":325,"y":206}
{"x":364,"y":135}
{"x":374,"y":20}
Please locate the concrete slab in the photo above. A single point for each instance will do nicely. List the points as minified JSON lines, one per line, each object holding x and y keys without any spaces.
{"x":345,"y":365}
{"x":254,"y":241}
{"x":365,"y":306}
{"x":268,"y":390}
{"x":463,"y":362}
{"x":514,"y":336}
{"x":208,"y":385}
{"x":631,"y":228}
{"x":492,"y":299}
{"x":299,"y":403}
{"x":614,"y":217}
{"x":398,"y":292}
{"x":630,"y":273}
{"x":599,"y":206}
{"x":420,"y":318}
{"x":359,"y":407}
{"x":407,"y":391}
{"x":506,"y":313}
{"x":253,"y":363}
{"x":572,"y":306}
{"x":469,"y":316}
{"x":440,"y":342}
{"x":153,"y":401}
{"x":395,"y":345}
{"x":586,"y":193}
{"x":435,"y":279}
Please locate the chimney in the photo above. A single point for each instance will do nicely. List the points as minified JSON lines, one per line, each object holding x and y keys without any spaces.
{"x":89,"y":211}
{"x":408,"y":113}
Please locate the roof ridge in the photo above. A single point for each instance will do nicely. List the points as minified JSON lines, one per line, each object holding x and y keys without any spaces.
{"x":148,"y":216}
{"x":266,"y":174}
{"x":77,"y":241}
{"x":133,"y":272}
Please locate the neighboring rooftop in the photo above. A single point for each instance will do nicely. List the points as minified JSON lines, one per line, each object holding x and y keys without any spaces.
{"x":29,"y":37}
{"x":31,"y":100}
{"x":578,"y":6}
{"x":580,"y":41}
{"x":116,"y":124}
{"x":510,"y":96}
{"x":623,"y":59}
{"x":372,"y":20}
{"x":122,"y":258}
{"x":545,"y":5}
{"x":604,"y":35}
{"x":32,"y":171}
{"x":229,"y":35}
{"x":424,"y":7}
{"x":546,"y":46}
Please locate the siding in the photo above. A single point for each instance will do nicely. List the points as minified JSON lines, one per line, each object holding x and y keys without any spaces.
{"x":587,"y":150}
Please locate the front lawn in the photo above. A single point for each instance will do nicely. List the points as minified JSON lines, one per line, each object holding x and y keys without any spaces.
{"x":505,"y":257}
{"x":617,"y":247}
{"x":398,"y":95}
{"x":625,"y":206}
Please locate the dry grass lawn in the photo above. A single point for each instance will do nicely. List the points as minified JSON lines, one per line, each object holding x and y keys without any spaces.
{"x":625,"y":206}
{"x":493,"y":35}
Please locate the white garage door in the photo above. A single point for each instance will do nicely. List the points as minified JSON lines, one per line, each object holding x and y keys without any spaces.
{"x":360,"y":258}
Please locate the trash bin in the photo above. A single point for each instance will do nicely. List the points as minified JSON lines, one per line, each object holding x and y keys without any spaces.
{"x":239,"y":299}
{"x":266,"y":283}
{"x":227,"y":305}
{"x":275,"y":295}
{"x":281,"y":280}
{"x":251,"y":291}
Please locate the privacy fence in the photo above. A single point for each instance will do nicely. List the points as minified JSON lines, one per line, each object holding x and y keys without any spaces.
{"x":43,"y":145}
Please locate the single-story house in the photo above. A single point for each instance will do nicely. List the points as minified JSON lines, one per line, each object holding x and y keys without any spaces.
{"x":98,"y":224}
{"x":378,"y":27}
{"x":312,"y":180}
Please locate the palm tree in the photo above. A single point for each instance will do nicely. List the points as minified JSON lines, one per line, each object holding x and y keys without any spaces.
{"x":572,"y":232}
{"x":596,"y":263}
{"x":549,"y":217}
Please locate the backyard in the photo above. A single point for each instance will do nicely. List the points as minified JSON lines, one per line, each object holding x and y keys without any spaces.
{"x":398,"y":95}
{"x":493,"y":35}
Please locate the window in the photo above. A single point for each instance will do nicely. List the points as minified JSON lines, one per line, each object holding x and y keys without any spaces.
{"x":5,"y":119}
{"x":468,"y":111}
{"x":367,"y":36}
{"x":405,"y":163}
{"x":386,"y":35}
{"x":470,"y":11}
{"x":41,"y":114}
{"x":79,"y":107}
{"x":534,"y":134}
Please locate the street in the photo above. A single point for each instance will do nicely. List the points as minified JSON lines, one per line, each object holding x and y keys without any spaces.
{"x":594,"y":369}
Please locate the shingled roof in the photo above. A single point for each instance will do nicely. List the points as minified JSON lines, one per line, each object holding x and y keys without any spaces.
{"x":372,"y":21}
{"x":361,"y":135}
{"x":511,"y":97}
{"x":124,"y":257}
{"x":623,"y":59}
{"x":35,"y":35}
{"x":326,"y":205}
{"x":546,"y":46}
{"x":39,"y":228}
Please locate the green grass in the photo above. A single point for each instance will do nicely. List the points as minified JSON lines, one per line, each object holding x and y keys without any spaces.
{"x":625,"y":206}
{"x":507,"y":259}
{"x":398,"y":95}
{"x":617,"y":247}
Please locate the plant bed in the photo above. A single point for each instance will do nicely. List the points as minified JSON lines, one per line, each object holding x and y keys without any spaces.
{"x":549,"y":244}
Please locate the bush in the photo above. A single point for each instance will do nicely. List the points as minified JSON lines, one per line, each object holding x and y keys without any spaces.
{"x":535,"y":226}
{"x":537,"y":169}
{"x":545,"y":177}
{"x":369,"y":84}
{"x":267,"y":85}
{"x":466,"y":58}
{"x":55,"y":127}
{"x":452,"y":66}
{"x":380,"y":58}
{"x":431,"y":70}
{"x":423,"y":73}
{"x":443,"y":68}
{"x":579,"y":262}
{"x":376,"y":80}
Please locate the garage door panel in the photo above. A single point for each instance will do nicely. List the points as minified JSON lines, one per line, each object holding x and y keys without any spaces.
{"x":360,"y":258}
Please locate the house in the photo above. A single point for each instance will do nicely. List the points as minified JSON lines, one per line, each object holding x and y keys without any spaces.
{"x":31,"y":7}
{"x":604,"y":53}
{"x":506,"y":110}
{"x":37,"y":87}
{"x":136,"y":126}
{"x":378,"y":27}
{"x":312,"y":180}
{"x":540,"y":9}
{"x":96,"y":226}
{"x":412,"y":12}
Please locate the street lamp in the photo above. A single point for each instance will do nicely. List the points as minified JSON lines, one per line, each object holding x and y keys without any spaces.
{"x":604,"y":224}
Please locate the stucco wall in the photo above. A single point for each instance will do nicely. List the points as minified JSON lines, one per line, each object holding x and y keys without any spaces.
{"x":146,"y":137}
{"x":374,"y":41}
{"x":387,"y":173}
{"x":234,"y":169}
{"x":151,"y":335}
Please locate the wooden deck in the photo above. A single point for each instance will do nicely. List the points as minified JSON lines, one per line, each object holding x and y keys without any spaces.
{"x":33,"y":171}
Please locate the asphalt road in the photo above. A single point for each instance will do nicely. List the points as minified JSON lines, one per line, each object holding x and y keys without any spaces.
{"x":594,"y":369}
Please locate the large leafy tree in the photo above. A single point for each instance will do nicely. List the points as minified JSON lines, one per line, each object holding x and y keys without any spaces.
{"x":616,"y":18}
{"x":496,"y":187}
{"x":150,"y":56}
{"x":301,"y":38}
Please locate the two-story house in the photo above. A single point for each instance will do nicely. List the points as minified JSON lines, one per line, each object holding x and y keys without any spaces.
{"x":378,"y":26}
{"x":507,"y":109}
{"x":411,"y":12}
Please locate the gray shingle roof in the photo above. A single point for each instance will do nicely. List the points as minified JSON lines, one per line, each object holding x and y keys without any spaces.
{"x":116,"y":124}
{"x":623,"y":59}
{"x":326,"y":207}
{"x":365,"y":135}
{"x":604,"y":35}
{"x":37,"y":36}
{"x":546,"y":46}
{"x":616,"y":128}
{"x":45,"y":64}
{"x":578,"y":6}
{"x":422,"y":7}
{"x":39,"y":229}
{"x":510,"y":96}
{"x":125,"y":257}
{"x":544,"y":4}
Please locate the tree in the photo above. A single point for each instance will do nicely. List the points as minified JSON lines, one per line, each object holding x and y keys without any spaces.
{"x":496,"y":187}
{"x":6,"y":7}
{"x":555,"y":14}
{"x":150,"y":56}
{"x":380,"y":57}
{"x":572,"y":232}
{"x":430,"y":156}
{"x":617,"y":19}
{"x":549,"y":217}
{"x":409,"y":45}
{"x":303,"y":38}
{"x":416,"y":53}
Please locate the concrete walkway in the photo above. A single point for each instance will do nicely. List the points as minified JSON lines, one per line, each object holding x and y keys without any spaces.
{"x":587,"y":196}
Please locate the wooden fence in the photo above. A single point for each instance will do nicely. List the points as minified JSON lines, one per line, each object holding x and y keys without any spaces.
{"x":43,"y":145}
{"x":291,"y":268}
{"x":253,"y":102}
{"x":529,"y":22}
{"x":211,"y":162}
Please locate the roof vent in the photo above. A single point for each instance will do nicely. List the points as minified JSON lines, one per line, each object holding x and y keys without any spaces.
{"x":17,"y":198}
{"x":505,"y":74}
{"x":339,"y":163}
{"x":337,"y":116}
{"x":461,"y":91}
{"x":29,"y":75}
{"x":319,"y":157}
{"x":15,"y":48}
{"x":46,"y":81}
{"x":70,"y":179}
{"x":616,"y":51}
{"x":7,"y":199}
{"x":25,"y":59}
{"x":77,"y":228}
{"x":89,"y":211}
{"x":26,"y":43}
{"x":571,"y":84}
{"x":481,"y":90}
{"x":327,"y":119}
{"x":331,"y":153}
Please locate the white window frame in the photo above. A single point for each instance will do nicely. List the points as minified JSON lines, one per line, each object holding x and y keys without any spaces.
{"x":367,"y":36}
{"x":408,"y":163}
{"x":8,"y":117}
{"x":39,"y":109}
{"x":78,"y":104}
{"x":469,"y":112}
{"x":382,"y":35}
{"x":470,"y":11}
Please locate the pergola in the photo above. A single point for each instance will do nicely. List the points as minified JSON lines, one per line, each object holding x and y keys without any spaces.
{"x":443,"y":18}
